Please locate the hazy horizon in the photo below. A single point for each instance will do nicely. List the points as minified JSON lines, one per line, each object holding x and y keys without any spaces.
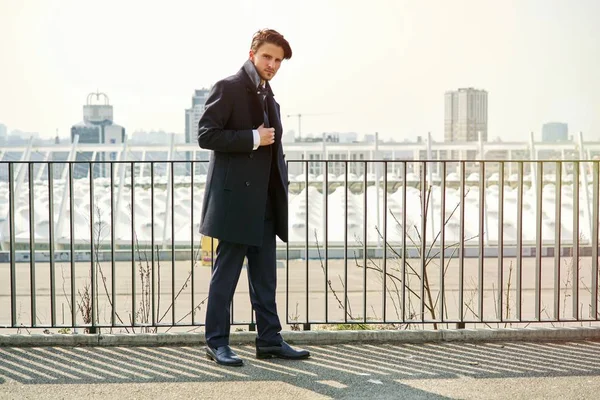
{"x":381,"y":66}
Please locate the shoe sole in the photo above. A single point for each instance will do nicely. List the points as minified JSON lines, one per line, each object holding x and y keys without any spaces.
{"x":208,"y":356}
{"x":265,"y":356}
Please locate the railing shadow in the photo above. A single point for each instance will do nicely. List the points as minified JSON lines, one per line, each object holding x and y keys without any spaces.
{"x":336,"y":371}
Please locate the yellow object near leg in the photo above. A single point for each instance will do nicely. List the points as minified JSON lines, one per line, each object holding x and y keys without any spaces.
{"x":208,"y":250}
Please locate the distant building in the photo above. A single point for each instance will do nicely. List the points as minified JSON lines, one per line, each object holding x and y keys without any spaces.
{"x":465,"y":119}
{"x":369,"y":138}
{"x":98,"y":124}
{"x":466,"y":115}
{"x":329,"y":137}
{"x":348,"y":137}
{"x":555,"y":132}
{"x":155,"y":137}
{"x":3,"y":133}
{"x":18,"y":137}
{"x":192,"y":115}
{"x":289,"y":137}
{"x":97,"y":127}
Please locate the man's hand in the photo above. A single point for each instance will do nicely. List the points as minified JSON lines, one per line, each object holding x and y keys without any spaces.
{"x":267,"y":135}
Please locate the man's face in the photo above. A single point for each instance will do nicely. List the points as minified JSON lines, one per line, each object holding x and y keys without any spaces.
{"x":267,"y":60}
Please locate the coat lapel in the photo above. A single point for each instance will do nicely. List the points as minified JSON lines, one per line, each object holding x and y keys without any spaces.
{"x":274,"y":117}
{"x":256,"y":103}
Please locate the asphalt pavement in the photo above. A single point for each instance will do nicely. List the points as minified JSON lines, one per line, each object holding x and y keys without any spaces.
{"x":461,"y":370}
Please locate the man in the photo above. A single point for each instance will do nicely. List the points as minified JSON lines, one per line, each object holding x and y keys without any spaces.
{"x":245,"y":200}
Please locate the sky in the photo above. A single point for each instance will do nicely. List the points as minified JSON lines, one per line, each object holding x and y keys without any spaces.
{"x":358,"y":66}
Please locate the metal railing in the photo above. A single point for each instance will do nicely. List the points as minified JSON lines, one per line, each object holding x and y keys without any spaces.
{"x":410,"y":243}
{"x":105,"y":266}
{"x":444,"y":264}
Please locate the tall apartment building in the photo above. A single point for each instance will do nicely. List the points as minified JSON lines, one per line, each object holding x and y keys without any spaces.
{"x":466,"y":115}
{"x":193,"y":114}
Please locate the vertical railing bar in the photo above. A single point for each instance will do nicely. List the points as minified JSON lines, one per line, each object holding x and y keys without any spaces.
{"x":519,"y":240}
{"x":385,"y":205}
{"x":404,"y":233}
{"x":594,"y":243}
{"x":423,"y":254}
{"x":173,"y":320}
{"x":11,"y":222}
{"x":538,"y":239}
{"x":500,"y":299}
{"x":346,"y":242}
{"x":92,"y":247}
{"x":193,"y":258}
{"x":461,"y":261}
{"x":365,"y":246}
{"x":575,"y":272}
{"x":481,"y":233}
{"x":326,"y":233}
{"x":306,"y":165}
{"x":72,"y":244}
{"x":133,"y":245}
{"x":113,"y":227}
{"x":50,"y":167}
{"x":287,"y":262}
{"x":443,"y":241}
{"x":287,"y":258}
{"x":152,"y":259}
{"x":557,"y":239}
{"x":32,"y":243}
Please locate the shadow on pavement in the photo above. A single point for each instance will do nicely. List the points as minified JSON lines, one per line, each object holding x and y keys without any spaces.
{"x":338,"y":371}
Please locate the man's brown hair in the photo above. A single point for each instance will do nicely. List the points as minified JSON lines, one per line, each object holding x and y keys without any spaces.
{"x":271,"y":36}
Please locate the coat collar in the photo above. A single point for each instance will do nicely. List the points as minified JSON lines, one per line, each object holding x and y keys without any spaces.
{"x":252,"y":77}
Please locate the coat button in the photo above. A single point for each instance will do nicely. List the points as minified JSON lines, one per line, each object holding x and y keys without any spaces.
{"x":251,"y":155}
{"x":247,"y":183}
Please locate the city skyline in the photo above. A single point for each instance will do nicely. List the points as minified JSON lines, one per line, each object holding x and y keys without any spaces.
{"x":536,"y":59}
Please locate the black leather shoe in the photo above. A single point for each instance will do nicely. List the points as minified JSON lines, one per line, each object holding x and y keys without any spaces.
{"x":224,"y":355}
{"x":281,"y":351}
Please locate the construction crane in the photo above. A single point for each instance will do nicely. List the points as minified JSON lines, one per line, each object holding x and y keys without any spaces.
{"x":299,"y":116}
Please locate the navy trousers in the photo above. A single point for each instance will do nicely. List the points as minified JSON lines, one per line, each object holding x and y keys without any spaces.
{"x":262,"y":277}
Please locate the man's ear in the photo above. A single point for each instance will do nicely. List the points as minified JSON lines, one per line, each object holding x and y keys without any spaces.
{"x":251,"y":55}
